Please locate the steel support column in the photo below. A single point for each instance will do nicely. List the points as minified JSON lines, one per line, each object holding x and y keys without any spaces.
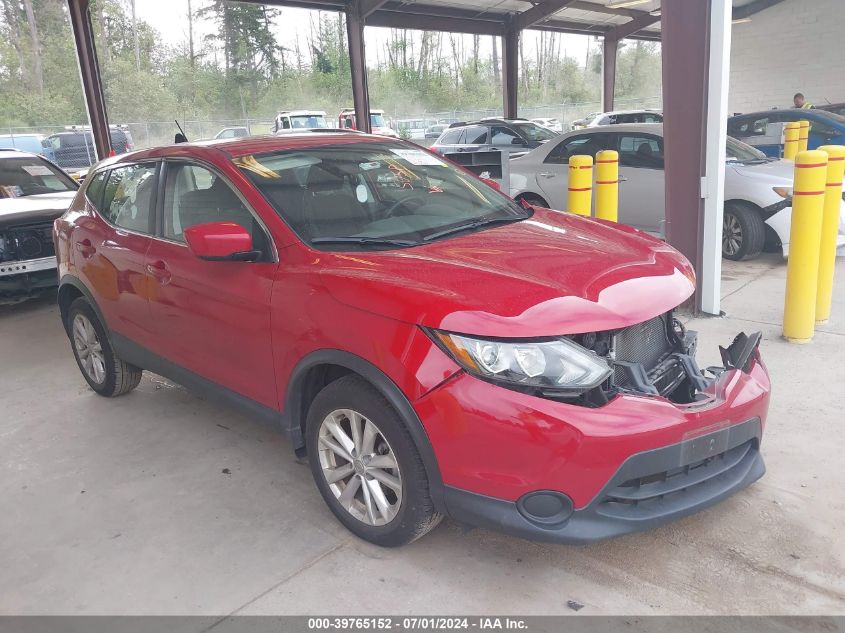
{"x":713,"y":188}
{"x":89,"y":71}
{"x":685,"y":31}
{"x":510,"y":71}
{"x":358,"y":65}
{"x":610,"y":47}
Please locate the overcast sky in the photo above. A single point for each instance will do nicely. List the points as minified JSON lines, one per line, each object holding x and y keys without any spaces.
{"x":169,"y":17}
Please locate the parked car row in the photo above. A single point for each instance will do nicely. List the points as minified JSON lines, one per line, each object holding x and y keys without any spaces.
{"x":758,"y":189}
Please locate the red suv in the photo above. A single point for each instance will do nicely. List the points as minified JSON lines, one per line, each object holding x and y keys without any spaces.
{"x":433,"y":347}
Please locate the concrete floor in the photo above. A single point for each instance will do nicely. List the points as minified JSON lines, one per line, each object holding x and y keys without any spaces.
{"x":123,"y":506}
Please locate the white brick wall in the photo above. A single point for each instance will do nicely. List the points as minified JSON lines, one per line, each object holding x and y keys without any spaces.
{"x":794,"y":46}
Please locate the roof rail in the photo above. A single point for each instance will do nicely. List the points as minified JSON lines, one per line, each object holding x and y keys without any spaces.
{"x":458,"y":124}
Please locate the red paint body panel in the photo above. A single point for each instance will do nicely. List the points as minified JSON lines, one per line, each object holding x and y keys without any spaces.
{"x":503,"y":444}
{"x":246,"y":325}
{"x":553,"y":274}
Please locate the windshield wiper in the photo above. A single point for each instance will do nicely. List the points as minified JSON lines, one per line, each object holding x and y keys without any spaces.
{"x":363,"y":241}
{"x":474,"y":225}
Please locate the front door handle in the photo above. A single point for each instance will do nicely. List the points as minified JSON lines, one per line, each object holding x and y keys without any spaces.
{"x":86,"y":248}
{"x":159,"y":271}
{"x":623,"y":179}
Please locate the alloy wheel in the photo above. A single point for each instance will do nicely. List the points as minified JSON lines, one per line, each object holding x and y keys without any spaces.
{"x":88,"y":348}
{"x":731,"y":234}
{"x":360,"y":467}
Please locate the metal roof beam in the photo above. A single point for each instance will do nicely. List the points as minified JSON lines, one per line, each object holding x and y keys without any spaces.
{"x":368,"y":7}
{"x":539,"y":12}
{"x":629,"y":28}
{"x":424,"y":22}
{"x":602,"y":8}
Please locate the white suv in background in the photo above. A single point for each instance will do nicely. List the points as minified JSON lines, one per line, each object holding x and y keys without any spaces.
{"x":618,"y":117}
{"x":758,"y":189}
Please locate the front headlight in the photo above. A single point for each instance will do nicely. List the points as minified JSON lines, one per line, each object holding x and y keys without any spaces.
{"x":555,"y":365}
{"x":783,"y":192}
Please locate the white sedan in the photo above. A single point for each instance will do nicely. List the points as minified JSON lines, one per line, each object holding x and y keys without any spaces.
{"x":758,"y":189}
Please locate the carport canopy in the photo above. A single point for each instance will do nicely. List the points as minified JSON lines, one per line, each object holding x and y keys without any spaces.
{"x":695,"y":36}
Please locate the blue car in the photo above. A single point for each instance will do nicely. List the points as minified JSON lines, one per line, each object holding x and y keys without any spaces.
{"x":763,"y":130}
{"x":33,"y":143}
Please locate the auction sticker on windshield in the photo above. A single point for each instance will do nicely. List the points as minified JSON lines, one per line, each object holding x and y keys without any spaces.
{"x":417,"y":157}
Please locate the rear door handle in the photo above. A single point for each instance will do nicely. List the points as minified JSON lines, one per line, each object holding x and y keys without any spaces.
{"x":86,"y":248}
{"x":547,"y":174}
{"x":623,"y":179}
{"x":159,"y":271}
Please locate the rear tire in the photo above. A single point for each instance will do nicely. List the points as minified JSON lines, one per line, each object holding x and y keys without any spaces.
{"x":390,"y":503}
{"x":104,"y":372}
{"x":743,"y":232}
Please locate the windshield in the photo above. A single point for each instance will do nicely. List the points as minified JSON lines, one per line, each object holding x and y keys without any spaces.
{"x":308,"y":121}
{"x":740,"y":152}
{"x":372,"y":195}
{"x":377,"y":120}
{"x":30,"y":176}
{"x":534,"y":132}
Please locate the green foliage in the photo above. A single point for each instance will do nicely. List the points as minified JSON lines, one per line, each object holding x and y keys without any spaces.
{"x":240,"y":70}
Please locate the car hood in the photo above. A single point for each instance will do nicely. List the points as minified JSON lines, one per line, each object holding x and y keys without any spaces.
{"x":778,"y":172}
{"x":46,"y":206}
{"x":552,"y":274}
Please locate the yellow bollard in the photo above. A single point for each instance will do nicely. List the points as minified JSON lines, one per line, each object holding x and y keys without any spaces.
{"x":803,"y":134}
{"x":580,"y":185}
{"x":802,"y":269}
{"x":790,"y":140}
{"x":830,"y":229}
{"x":607,"y":185}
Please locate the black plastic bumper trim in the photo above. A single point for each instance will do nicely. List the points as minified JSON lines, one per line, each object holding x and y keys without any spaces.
{"x":596,"y":522}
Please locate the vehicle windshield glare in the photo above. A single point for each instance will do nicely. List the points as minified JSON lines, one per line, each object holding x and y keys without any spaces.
{"x":308,"y":122}
{"x":534,"y":132}
{"x":30,"y":176}
{"x":739,"y":152}
{"x":374,"y":195}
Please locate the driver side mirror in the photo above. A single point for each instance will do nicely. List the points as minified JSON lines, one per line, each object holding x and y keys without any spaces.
{"x":221,"y":242}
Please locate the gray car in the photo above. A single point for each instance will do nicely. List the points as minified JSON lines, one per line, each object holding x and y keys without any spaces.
{"x":514,"y":136}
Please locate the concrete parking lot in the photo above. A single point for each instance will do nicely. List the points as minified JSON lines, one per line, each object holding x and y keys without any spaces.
{"x":162,"y":503}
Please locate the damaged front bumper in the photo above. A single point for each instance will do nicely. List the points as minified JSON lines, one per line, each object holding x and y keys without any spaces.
{"x":663,"y":439}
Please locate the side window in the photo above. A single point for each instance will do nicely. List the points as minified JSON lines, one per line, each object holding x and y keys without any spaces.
{"x":640,"y":151}
{"x":738,"y":128}
{"x":128,"y":197}
{"x":652,"y":117}
{"x":588,"y":144}
{"x":196,"y":195}
{"x":754,"y":127}
{"x":820,"y":128}
{"x":94,"y":190}
{"x":504,"y":136}
{"x":451,"y":137}
{"x":476,"y":135}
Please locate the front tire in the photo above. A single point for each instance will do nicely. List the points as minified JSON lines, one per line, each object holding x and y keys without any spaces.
{"x":366,"y":465}
{"x":104,"y":372}
{"x":743,"y":232}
